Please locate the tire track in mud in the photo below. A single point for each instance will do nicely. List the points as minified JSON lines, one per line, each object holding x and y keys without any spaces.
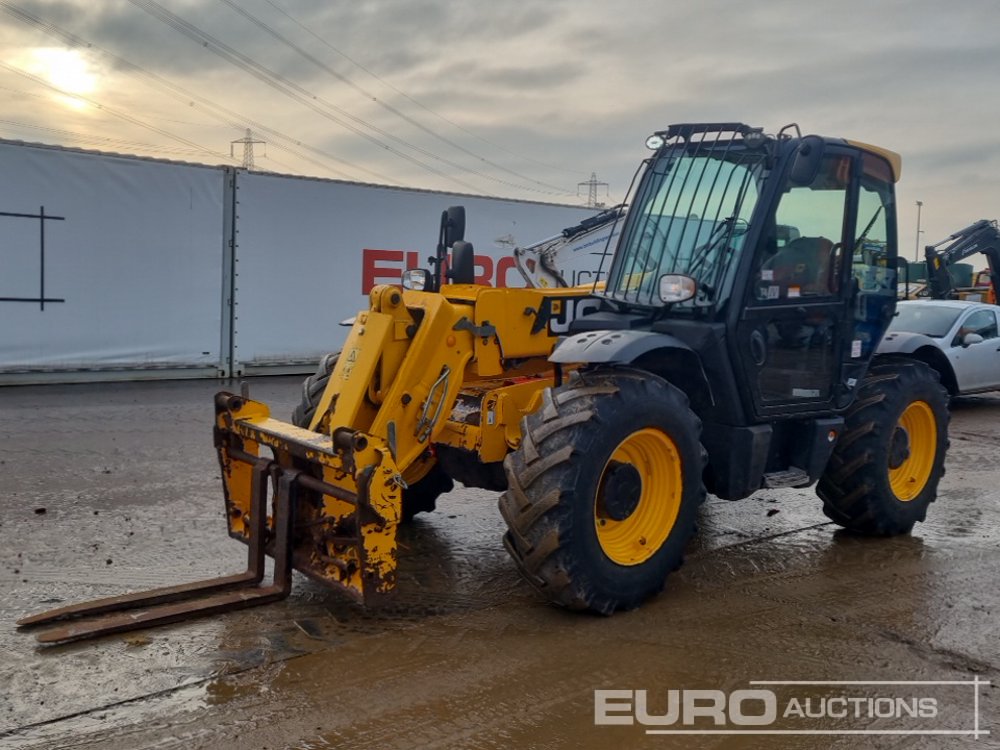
{"x":449,"y":621}
{"x":327,"y":630}
{"x":758,"y":575}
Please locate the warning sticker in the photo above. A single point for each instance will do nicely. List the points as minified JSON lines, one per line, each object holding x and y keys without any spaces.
{"x":805,"y":393}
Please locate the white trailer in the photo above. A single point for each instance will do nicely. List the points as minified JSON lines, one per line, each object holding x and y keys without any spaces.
{"x":123,"y":267}
{"x":108,"y":264}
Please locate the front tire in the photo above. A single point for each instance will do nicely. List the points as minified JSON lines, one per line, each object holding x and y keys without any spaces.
{"x":604,"y":489}
{"x":885,"y":469}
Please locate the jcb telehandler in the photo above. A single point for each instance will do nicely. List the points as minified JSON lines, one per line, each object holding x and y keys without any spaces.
{"x":730,"y":347}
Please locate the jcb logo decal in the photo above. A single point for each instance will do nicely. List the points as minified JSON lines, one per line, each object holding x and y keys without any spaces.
{"x":563,"y":311}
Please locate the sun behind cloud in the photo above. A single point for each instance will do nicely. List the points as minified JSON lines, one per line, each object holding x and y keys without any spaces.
{"x":67,"y":70}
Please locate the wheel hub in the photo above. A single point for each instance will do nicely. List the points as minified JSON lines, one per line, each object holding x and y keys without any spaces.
{"x":899,"y":448}
{"x":622,"y":490}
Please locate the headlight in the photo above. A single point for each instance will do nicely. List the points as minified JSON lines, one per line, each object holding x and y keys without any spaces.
{"x":417,"y":279}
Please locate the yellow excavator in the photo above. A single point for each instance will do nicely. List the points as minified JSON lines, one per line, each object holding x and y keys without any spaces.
{"x":730,"y":347}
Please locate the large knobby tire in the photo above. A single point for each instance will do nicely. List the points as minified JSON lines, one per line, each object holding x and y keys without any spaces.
{"x":421,"y":496}
{"x":312,"y":390}
{"x":604,"y":489}
{"x":885,"y":468}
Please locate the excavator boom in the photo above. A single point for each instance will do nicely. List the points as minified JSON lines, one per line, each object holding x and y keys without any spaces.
{"x":980,"y":237}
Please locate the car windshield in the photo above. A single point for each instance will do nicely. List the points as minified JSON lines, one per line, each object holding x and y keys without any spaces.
{"x":690,"y":216}
{"x":930,"y":320}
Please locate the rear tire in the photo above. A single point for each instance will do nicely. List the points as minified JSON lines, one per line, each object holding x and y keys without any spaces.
{"x":885,"y":469}
{"x":604,"y":489}
{"x":419,"y":497}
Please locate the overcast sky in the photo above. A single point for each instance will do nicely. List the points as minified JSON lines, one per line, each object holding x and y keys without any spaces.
{"x":523,"y":98}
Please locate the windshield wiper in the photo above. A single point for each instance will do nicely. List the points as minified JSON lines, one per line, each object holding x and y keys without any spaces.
{"x":713,"y":240}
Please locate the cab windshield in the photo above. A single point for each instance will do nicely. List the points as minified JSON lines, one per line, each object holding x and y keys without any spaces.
{"x":690,"y":215}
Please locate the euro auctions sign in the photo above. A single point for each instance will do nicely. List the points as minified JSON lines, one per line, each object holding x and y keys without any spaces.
{"x":386,"y":267}
{"x":740,"y":708}
{"x":894,"y":707}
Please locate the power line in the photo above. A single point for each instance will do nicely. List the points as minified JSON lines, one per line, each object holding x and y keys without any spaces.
{"x":121,"y":115}
{"x":409,"y":98}
{"x":271,"y":31}
{"x":103,"y":142}
{"x":94,"y":140}
{"x":227,"y":116}
{"x":285,"y":86}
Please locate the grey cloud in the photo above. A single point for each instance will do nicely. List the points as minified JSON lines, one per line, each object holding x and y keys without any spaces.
{"x":913,"y":76}
{"x":478,"y":76}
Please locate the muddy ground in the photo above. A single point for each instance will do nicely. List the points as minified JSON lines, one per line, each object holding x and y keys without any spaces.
{"x":109,"y":488}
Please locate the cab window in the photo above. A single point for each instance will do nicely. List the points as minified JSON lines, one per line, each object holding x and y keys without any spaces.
{"x":808,"y":228}
{"x":872,"y":268}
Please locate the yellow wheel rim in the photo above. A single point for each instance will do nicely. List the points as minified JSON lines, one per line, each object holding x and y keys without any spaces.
{"x":634,"y":539}
{"x":909,"y":478}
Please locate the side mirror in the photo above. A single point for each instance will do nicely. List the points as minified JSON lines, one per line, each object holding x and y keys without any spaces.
{"x":463,"y":263}
{"x":675,"y":287}
{"x":807,"y":161}
{"x":454,"y":225}
{"x":971,"y":338}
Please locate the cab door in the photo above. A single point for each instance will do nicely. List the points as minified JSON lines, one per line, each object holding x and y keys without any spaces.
{"x":793,"y":331}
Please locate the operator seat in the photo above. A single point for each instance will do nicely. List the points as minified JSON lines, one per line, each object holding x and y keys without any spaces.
{"x":803,"y":265}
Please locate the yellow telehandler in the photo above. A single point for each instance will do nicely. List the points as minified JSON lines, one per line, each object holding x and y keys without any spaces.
{"x":729,"y":347}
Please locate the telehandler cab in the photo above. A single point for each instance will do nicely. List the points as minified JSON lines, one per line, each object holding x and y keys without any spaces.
{"x":729,"y":348}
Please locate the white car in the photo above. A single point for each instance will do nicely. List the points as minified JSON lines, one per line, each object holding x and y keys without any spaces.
{"x":958,"y":339}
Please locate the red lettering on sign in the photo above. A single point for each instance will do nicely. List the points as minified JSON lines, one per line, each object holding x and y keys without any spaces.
{"x":374,"y":272}
{"x":385,"y":267}
{"x":485,"y":275}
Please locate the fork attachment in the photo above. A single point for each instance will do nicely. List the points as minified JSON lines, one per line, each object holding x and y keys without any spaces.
{"x":215,"y":595}
{"x":335,"y":507}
